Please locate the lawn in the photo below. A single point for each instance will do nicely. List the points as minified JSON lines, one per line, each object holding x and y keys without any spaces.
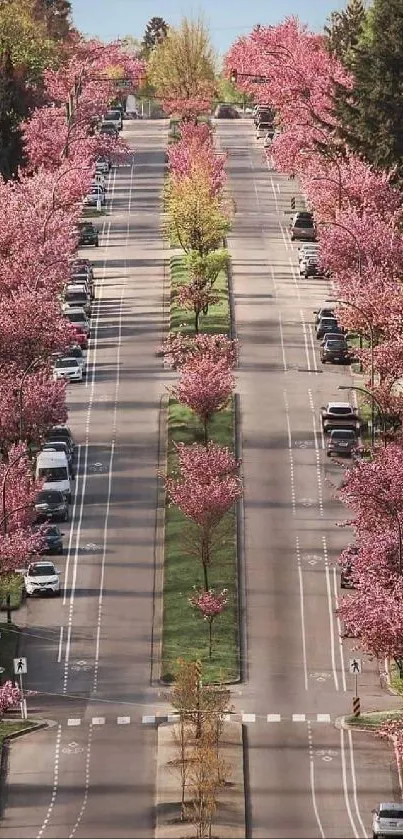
{"x":373,"y":721}
{"x":184,"y":631}
{"x":12,"y":584}
{"x":9,"y":638}
{"x":183,"y":569}
{"x":182,"y":320}
{"x":10,"y":727}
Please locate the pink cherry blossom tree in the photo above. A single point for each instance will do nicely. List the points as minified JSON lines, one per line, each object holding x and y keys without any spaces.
{"x":210,"y":604}
{"x":17,"y":493}
{"x":205,"y":487}
{"x":179,"y":348}
{"x":194,"y":296}
{"x":10,"y":697}
{"x":205,"y":387}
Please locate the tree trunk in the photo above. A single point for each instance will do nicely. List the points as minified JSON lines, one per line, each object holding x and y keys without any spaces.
{"x":210,"y":633}
{"x":205,"y":430}
{"x":197,"y":318}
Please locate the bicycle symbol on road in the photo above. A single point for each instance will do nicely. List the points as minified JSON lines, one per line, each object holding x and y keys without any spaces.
{"x":326,"y":754}
{"x":96,"y":467}
{"x":72,"y":749}
{"x":81,"y":665}
{"x":307,"y":502}
{"x":319,"y":677}
{"x":312,"y":559}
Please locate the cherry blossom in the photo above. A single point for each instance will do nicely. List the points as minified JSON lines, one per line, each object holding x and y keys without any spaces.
{"x":193,"y":296}
{"x":205,"y":387}
{"x":179,"y":348}
{"x":10,"y":696}
{"x":210,"y":604}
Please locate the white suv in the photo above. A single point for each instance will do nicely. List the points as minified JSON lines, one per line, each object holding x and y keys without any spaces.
{"x":387,"y":820}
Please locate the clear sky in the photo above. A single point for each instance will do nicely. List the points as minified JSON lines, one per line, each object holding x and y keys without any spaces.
{"x":227,"y":19}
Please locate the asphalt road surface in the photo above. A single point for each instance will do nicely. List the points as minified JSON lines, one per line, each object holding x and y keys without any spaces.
{"x":92,"y":774}
{"x":306,"y":777}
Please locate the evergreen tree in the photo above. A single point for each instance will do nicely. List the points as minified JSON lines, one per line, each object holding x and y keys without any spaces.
{"x":12,"y":109}
{"x":156,"y":31}
{"x":56,"y":14}
{"x":371,"y":114}
{"x":344,"y":30}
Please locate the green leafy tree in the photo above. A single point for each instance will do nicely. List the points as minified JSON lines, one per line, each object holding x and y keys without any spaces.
{"x":344,"y":29}
{"x":371,"y":113}
{"x":156,"y":32}
{"x":26,"y":38}
{"x":56,"y":15}
{"x":13,"y":107}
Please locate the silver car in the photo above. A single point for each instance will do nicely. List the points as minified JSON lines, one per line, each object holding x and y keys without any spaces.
{"x":387,"y":820}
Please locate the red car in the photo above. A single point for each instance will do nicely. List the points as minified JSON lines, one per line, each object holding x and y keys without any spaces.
{"x":79,"y":337}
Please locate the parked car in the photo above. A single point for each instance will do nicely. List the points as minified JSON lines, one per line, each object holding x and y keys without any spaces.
{"x":328,"y":325}
{"x":114,"y":116}
{"x":226,"y":112}
{"x":336,"y":351}
{"x":387,"y":820}
{"x":83,"y":279}
{"x":68,"y":368}
{"x":262,"y":129}
{"x":302,"y":226}
{"x":325,"y":311}
{"x":268,"y":139}
{"x":42,"y":578}
{"x":263,"y":113}
{"x":60,"y":446}
{"x":77,"y":295}
{"x":109,"y":129}
{"x":103,"y":164}
{"x":61,"y":432}
{"x":339,"y":415}
{"x":82,"y":266}
{"x":78,"y":316}
{"x":52,"y":538}
{"x":311,"y":266}
{"x":94,"y":196}
{"x":75,"y":351}
{"x":79,"y":336}
{"x":342,"y":442}
{"x":87,"y":234}
{"x":51,"y":504}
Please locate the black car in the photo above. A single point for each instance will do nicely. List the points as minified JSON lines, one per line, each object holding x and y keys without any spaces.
{"x":87,"y":234}
{"x":335,"y":351}
{"x":51,"y":505}
{"x":328,"y":325}
{"x":61,"y":432}
{"x":52,"y":539}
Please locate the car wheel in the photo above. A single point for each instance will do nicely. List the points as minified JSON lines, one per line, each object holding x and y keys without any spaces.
{"x":66,"y":516}
{"x":97,"y":244}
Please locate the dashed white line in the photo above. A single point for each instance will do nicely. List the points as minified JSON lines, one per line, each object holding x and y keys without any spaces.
{"x":86,"y":783}
{"x":312,"y":782}
{"x":55,"y":783}
{"x":345,"y":786}
{"x":330,"y":612}
{"x":302,"y":612}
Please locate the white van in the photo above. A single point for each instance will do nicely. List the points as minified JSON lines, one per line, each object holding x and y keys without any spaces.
{"x":53,"y":468}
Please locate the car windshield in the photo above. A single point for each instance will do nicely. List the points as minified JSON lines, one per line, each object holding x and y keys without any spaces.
{"x":340,"y":409}
{"x":341,"y":434}
{"x":51,"y":497}
{"x":66,"y":362}
{"x":76,"y":352}
{"x":335,"y":345}
{"x":303,"y":222}
{"x":391,"y":814}
{"x":113,"y":115}
{"x":54,"y":446}
{"x":41,"y":570}
{"x":76,"y":317}
{"x":53,"y":474}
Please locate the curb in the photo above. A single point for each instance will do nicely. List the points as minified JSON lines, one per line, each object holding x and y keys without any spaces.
{"x":159,"y":547}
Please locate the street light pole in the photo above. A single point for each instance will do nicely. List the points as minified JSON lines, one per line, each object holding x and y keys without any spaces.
{"x":378,"y":405}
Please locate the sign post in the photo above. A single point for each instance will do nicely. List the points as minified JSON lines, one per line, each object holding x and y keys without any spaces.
{"x":355,"y":668}
{"x":20,"y":669}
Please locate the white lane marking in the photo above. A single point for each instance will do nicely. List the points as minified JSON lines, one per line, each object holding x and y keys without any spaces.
{"x":317,"y":455}
{"x":83,"y":487}
{"x":310,"y":332}
{"x":302,"y":611}
{"x":123,"y":720}
{"x":86,"y":783}
{"x":146,"y":719}
{"x":312,"y":782}
{"x":354,"y":781}
{"x":306,"y":345}
{"x":59,"y":654}
{"x":299,"y":717}
{"x":111,"y":191}
{"x":248,"y":717}
{"x":273,"y":717}
{"x":112,"y":453}
{"x":323,"y":718}
{"x":280,"y":323}
{"x":55,"y":783}
{"x":330,"y":613}
{"x":73,"y":516}
{"x":290,"y":452}
{"x":345,"y":786}
{"x":341,"y":650}
{"x":98,"y":721}
{"x":74,"y":721}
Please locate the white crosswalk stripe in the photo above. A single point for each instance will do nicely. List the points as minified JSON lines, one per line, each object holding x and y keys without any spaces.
{"x":239,"y":717}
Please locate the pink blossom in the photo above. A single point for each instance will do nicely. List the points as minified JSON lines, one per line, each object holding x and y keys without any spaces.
{"x":205,"y":387}
{"x":178,"y":348}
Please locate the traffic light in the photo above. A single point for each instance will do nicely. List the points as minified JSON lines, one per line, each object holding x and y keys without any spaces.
{"x":234,"y":76}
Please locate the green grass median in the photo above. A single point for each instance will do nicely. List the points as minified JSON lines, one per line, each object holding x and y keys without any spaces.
{"x":373,"y":721}
{"x":8,"y":727}
{"x":185,"y":633}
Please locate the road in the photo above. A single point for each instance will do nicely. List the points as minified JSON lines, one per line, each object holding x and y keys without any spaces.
{"x":305,"y":776}
{"x":92,"y":773}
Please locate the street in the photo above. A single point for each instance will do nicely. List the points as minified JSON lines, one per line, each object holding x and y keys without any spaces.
{"x":89,"y":651}
{"x":92,"y":772}
{"x":305,"y":776}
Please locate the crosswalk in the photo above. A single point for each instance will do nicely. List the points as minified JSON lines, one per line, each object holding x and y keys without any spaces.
{"x":239,"y":717}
